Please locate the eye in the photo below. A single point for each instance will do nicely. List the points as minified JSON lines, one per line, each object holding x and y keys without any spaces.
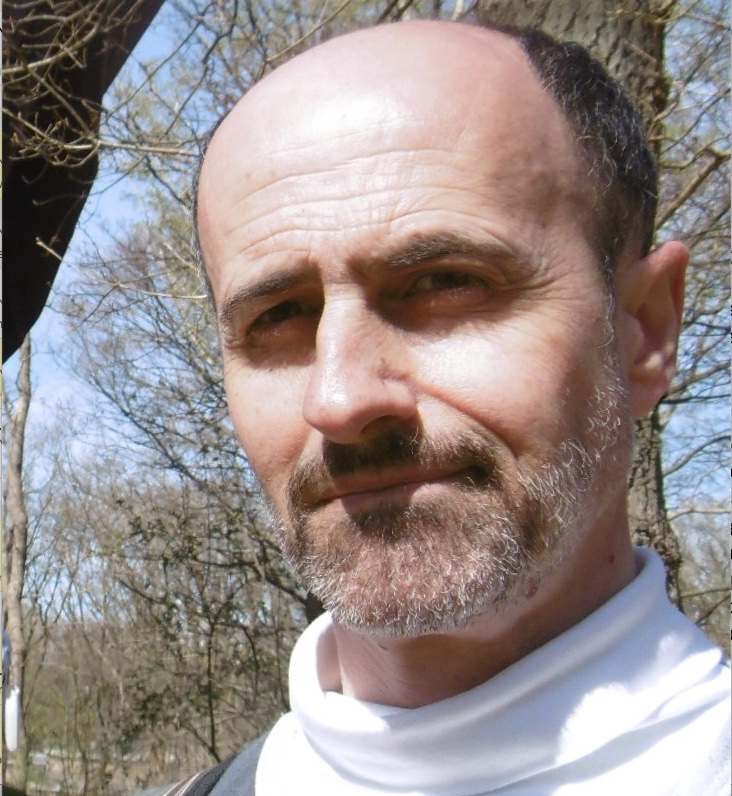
{"x":442,"y":293}
{"x":445,"y":280}
{"x":286,"y":326}
{"x":280,"y":313}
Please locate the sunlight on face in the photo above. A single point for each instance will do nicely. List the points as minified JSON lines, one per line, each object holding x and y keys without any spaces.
{"x":417,"y":352}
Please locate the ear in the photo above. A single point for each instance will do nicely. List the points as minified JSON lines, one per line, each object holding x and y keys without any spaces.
{"x":650,"y":299}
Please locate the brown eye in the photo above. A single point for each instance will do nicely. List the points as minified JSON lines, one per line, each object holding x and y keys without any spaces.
{"x":280,"y":313}
{"x":443,"y":281}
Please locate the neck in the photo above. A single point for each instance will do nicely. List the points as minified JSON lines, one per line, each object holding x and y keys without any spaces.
{"x":417,"y":671}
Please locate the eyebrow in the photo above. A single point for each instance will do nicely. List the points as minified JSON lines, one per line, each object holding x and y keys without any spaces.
{"x":272,"y":284}
{"x":425,"y":247}
{"x":422,"y":247}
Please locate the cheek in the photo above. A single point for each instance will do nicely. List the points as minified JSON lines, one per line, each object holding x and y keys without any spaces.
{"x":520,"y":386}
{"x":266,"y":410}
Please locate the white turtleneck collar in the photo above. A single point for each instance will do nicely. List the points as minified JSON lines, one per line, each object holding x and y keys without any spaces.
{"x":631,"y":699}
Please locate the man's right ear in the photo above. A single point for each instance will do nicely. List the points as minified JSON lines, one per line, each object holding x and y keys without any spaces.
{"x":649,"y":309}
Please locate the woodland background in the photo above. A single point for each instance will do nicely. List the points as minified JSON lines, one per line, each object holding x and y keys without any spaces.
{"x":152,"y":616}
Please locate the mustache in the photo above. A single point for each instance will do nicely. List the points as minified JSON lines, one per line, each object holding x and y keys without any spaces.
{"x":394,"y":448}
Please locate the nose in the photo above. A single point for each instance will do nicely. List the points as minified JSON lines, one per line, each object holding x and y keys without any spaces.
{"x":359,"y":382}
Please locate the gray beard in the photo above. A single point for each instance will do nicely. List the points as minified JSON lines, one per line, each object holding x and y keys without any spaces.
{"x":433,"y":564}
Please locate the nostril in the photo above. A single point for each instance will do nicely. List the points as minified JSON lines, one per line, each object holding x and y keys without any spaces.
{"x":358,"y":407}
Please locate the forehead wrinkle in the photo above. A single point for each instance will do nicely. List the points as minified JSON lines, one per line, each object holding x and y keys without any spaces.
{"x":333,"y":164}
{"x":325,"y":213}
{"x":311,"y":184}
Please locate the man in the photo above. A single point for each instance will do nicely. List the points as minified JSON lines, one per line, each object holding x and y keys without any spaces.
{"x":428,"y":246}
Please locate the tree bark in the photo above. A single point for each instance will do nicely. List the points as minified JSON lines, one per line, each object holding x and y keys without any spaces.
{"x":627,"y":37}
{"x":59,"y":58}
{"x":15,"y":546}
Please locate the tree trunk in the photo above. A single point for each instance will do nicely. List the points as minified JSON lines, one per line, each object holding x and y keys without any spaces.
{"x":646,"y":502}
{"x":15,"y":543}
{"x":628,"y":38}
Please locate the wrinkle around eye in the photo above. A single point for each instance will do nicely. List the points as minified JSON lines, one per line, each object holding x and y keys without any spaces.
{"x":439,"y":298}
{"x":452,"y":289}
{"x":283,"y":333}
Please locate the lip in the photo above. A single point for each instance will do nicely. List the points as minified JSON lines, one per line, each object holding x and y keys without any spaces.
{"x":379,"y":486}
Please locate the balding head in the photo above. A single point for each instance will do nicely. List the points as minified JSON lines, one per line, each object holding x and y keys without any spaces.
{"x":445,"y":75}
{"x":425,"y":68}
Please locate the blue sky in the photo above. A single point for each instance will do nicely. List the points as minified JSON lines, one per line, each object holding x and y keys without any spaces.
{"x":110,"y":206}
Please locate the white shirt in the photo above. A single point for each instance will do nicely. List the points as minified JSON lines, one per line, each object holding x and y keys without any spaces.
{"x":633,"y":700}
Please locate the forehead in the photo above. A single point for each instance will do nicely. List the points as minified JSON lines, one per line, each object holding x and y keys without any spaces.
{"x":448,"y":77}
{"x":405,"y":112}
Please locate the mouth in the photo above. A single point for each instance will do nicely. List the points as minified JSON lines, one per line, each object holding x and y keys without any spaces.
{"x":372,"y":488}
{"x":392,"y":470}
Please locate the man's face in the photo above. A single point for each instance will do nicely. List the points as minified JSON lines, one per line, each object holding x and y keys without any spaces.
{"x":418,"y":353}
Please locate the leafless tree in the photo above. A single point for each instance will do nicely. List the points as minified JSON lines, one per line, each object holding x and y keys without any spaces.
{"x":15,"y":534}
{"x":163,"y":495}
